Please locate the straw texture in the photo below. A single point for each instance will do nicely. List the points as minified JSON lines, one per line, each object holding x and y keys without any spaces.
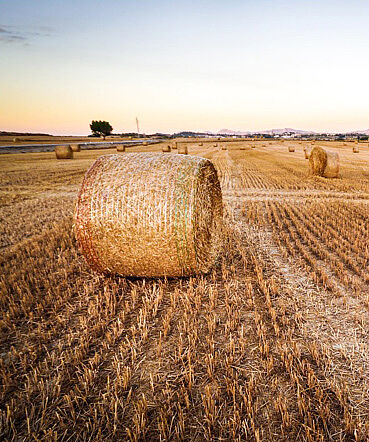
{"x":324,"y":163}
{"x":75,"y":147}
{"x":64,"y":152}
{"x":150,"y":215}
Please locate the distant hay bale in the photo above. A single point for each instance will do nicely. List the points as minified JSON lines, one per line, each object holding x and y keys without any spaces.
{"x":344,"y":144}
{"x":324,"y":163}
{"x":307,"y":152}
{"x":263,"y":145}
{"x":200,"y":144}
{"x":174,"y":145}
{"x":291,"y":148}
{"x":183,"y":149}
{"x":145,"y":143}
{"x":16,"y":140}
{"x":166,"y":148}
{"x":224,"y":147}
{"x":149,"y":215}
{"x":253,"y":146}
{"x":215,"y":145}
{"x":121,"y":148}
{"x":355,"y":148}
{"x":64,"y":152}
{"x":75,"y":147}
{"x":242,"y":148}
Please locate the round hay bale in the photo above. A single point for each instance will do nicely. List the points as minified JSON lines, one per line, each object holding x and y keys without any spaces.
{"x":145,"y":143}
{"x":166,"y":148}
{"x":307,"y":152}
{"x":242,"y":148}
{"x":183,"y":149}
{"x":324,"y":163}
{"x":149,"y":215}
{"x":291,"y":148}
{"x":16,"y":140}
{"x":224,"y":147}
{"x":174,"y":145}
{"x":355,"y":148}
{"x":253,"y":146}
{"x":121,"y":148}
{"x":215,"y":145}
{"x":75,"y":147}
{"x":200,"y":144}
{"x":64,"y":152}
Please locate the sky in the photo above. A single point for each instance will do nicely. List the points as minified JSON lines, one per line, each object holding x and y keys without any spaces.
{"x":199,"y":65}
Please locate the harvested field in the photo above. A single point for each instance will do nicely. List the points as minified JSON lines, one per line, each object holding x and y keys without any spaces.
{"x":272,"y":344}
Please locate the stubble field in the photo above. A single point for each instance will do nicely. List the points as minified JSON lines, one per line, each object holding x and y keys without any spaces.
{"x":271,"y":345}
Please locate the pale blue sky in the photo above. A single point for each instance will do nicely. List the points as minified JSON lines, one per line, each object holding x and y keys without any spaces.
{"x":200,"y":65}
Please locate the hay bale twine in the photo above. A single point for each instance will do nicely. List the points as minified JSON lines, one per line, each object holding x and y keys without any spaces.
{"x":64,"y":152}
{"x":121,"y":148}
{"x":291,"y":148}
{"x":149,"y":215}
{"x":324,"y":163}
{"x":75,"y":147}
{"x":355,"y":148}
{"x":166,"y":148}
{"x":183,"y":149}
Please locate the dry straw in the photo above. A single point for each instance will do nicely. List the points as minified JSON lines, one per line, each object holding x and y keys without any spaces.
{"x":75,"y":147}
{"x":64,"y":152}
{"x":121,"y":148}
{"x":183,"y":149}
{"x":324,"y":163}
{"x":150,"y":215}
{"x":166,"y":148}
{"x":291,"y":149}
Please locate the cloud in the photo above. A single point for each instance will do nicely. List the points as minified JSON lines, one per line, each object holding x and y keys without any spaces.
{"x":12,"y":34}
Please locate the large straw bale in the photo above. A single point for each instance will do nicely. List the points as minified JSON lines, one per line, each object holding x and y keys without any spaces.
{"x":355,"y":148}
{"x":200,"y":144}
{"x":64,"y":152}
{"x":121,"y":148}
{"x":75,"y":147}
{"x":16,"y":140}
{"x":324,"y":163}
{"x":149,"y":215}
{"x":166,"y":148}
{"x":183,"y":149}
{"x":174,"y":145}
{"x":291,"y":148}
{"x":145,"y":143}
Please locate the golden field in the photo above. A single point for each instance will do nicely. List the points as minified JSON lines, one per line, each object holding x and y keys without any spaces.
{"x":271,"y":345}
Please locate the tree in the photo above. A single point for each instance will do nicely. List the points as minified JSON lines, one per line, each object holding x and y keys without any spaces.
{"x":101,"y":128}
